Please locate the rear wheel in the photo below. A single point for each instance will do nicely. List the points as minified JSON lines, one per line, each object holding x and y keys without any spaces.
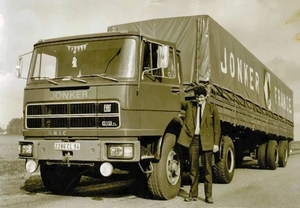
{"x":165,"y":180}
{"x":261,"y":157}
{"x":224,"y":168}
{"x":60,"y":179}
{"x":283,"y":153}
{"x":272,"y":154}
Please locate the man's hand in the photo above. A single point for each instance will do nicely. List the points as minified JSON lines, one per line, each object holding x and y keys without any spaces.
{"x":216,"y":148}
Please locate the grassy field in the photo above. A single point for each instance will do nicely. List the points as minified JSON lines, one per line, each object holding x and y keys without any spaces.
{"x":10,"y":164}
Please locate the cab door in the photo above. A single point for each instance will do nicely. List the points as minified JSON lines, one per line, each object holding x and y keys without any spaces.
{"x":159,"y":91}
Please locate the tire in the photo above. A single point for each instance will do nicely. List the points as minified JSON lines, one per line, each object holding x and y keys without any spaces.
{"x":223,"y":170}
{"x":261,"y":156}
{"x":165,"y":180}
{"x":283,"y":153}
{"x":59,"y":180}
{"x":272,"y":154}
{"x":239,"y":153}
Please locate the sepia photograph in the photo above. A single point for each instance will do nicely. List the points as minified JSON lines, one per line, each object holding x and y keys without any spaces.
{"x":149,"y":103}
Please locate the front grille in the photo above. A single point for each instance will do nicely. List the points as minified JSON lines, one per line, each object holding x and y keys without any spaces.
{"x":83,"y":108}
{"x":73,"y":115}
{"x":83,"y":122}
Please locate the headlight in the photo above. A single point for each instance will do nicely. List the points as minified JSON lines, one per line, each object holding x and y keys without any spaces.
{"x":120,"y":151}
{"x":26,"y":149}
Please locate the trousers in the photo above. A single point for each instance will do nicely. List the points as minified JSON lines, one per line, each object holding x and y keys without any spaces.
{"x":195,"y":150}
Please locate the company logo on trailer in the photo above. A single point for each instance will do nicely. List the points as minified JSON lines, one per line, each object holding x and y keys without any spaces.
{"x":280,"y":99}
{"x":267,"y":89}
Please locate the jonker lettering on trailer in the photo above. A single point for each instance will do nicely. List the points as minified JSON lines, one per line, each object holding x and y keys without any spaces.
{"x":245,"y":74}
{"x":250,"y":78}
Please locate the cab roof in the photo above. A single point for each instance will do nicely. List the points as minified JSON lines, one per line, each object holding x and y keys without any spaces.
{"x":88,"y":36}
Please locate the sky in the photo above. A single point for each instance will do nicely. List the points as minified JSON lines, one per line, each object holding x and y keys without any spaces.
{"x":269,"y":29}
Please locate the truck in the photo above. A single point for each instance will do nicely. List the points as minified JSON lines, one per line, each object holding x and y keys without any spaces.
{"x":97,"y":103}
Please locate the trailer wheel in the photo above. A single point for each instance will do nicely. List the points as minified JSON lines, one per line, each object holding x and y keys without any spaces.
{"x":224,"y":168}
{"x":283,"y":153}
{"x":59,"y":180}
{"x":261,"y":155}
{"x":165,"y":180}
{"x":272,"y":154}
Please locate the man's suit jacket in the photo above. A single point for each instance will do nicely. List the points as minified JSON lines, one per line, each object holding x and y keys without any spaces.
{"x":210,"y":129}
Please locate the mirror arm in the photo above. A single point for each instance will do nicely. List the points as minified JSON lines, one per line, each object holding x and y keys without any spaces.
{"x":142,"y":77}
{"x":148,"y":70}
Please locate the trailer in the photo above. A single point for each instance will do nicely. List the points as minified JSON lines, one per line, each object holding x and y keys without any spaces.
{"x":95,"y":103}
{"x":256,"y":107}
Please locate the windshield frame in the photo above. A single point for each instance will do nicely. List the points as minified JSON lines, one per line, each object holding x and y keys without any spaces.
{"x":131,"y":60}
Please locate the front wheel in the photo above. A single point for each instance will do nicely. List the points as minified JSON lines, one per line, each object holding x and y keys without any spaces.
{"x":60,"y":179}
{"x":165,"y":180}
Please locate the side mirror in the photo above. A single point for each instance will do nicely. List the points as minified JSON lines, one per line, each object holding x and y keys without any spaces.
{"x":163,"y":56}
{"x":19,"y":67}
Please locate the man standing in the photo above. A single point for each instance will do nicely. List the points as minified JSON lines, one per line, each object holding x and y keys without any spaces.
{"x":200,"y":133}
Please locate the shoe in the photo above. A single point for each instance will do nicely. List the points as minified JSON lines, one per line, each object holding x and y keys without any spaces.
{"x":190,"y":199}
{"x":209,"y":200}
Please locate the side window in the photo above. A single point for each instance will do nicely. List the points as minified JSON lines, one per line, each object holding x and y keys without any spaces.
{"x":151,"y":55}
{"x":170,"y":71}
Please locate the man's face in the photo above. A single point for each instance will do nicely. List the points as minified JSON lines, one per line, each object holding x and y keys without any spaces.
{"x":200,"y":99}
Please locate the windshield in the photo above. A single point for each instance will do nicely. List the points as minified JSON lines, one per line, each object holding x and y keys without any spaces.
{"x":110,"y":58}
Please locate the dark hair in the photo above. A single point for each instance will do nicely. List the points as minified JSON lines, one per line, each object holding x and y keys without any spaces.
{"x":200,"y":90}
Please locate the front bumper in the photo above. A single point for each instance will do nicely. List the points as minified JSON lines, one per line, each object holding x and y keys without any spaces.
{"x":82,"y":150}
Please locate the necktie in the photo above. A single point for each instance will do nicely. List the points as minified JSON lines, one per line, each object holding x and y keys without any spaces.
{"x":200,"y":115}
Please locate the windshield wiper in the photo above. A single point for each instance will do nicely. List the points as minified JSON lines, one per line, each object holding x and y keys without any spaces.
{"x":118,"y":52}
{"x":74,"y":79}
{"x":103,"y":77}
{"x":47,"y":79}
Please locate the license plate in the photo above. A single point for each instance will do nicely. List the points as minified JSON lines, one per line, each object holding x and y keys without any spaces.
{"x":67,"y":146}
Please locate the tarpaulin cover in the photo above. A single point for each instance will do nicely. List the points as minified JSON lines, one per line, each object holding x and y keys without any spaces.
{"x":210,"y":53}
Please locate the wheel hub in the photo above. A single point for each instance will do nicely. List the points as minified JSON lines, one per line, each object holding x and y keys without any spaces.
{"x":173,"y":168}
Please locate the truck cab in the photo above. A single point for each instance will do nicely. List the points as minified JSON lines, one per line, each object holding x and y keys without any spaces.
{"x":98,"y":101}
